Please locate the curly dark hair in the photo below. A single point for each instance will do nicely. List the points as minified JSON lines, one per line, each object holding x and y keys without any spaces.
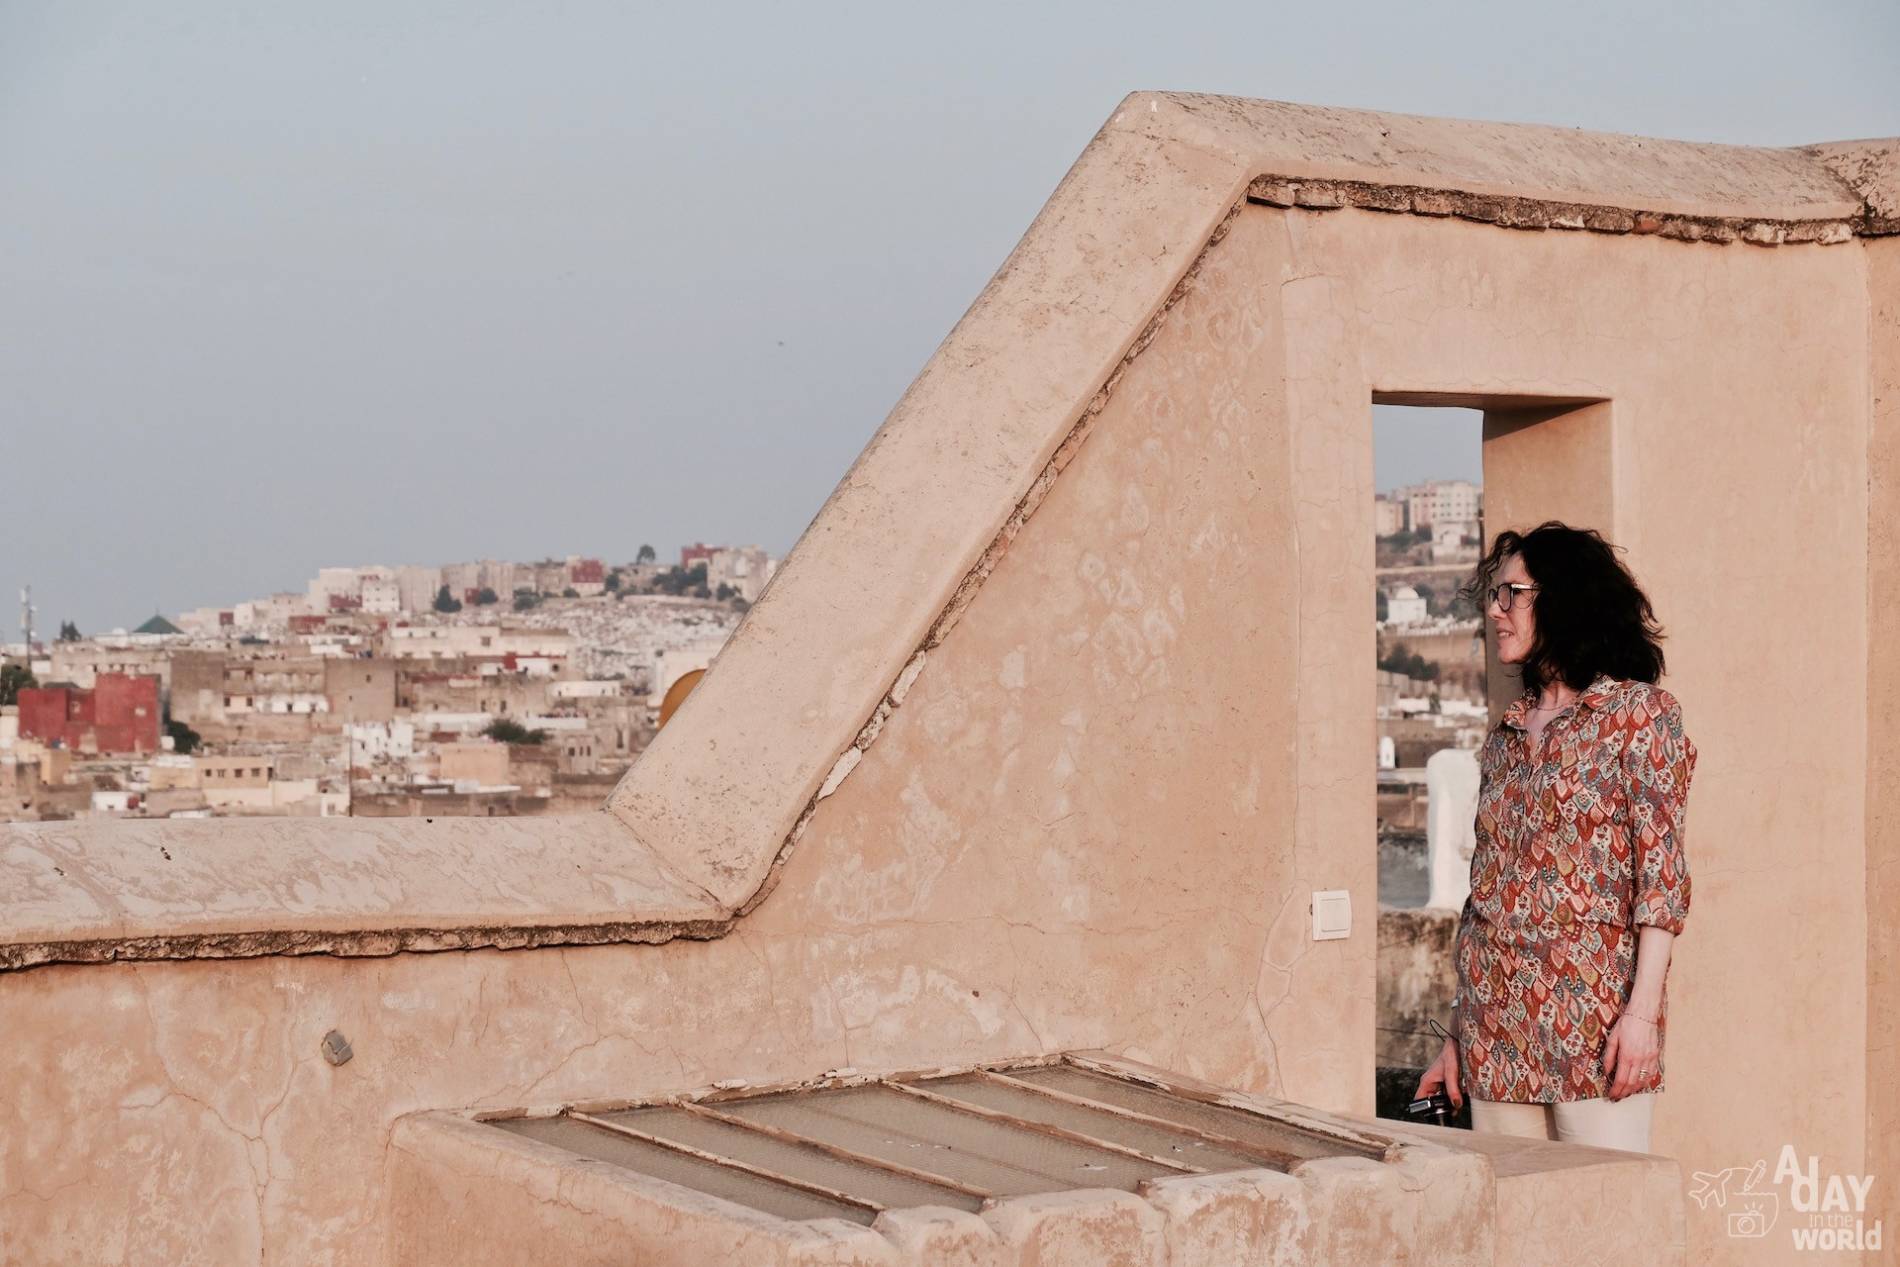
{"x":1592,"y":616}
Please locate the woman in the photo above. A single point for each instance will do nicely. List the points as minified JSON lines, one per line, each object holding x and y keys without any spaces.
{"x":1579,"y":882}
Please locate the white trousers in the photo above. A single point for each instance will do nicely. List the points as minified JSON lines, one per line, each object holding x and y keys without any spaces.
{"x":1600,"y":1123}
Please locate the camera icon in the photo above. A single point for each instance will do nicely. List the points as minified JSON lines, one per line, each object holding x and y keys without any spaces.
{"x":1750,"y":1211}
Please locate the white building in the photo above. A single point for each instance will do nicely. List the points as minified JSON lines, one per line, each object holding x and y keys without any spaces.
{"x":444,"y":642}
{"x":333,"y":585}
{"x":584,"y":690}
{"x":452,"y":723}
{"x":1405,"y":606}
{"x":745,"y":568}
{"x":672,"y":664}
{"x":204,"y":621}
{"x":271,"y":613}
{"x":554,"y":725}
{"x":1448,"y":538}
{"x":382,"y":741}
{"x":382,"y":594}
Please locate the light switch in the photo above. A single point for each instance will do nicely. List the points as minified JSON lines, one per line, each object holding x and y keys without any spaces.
{"x":1332,"y":914}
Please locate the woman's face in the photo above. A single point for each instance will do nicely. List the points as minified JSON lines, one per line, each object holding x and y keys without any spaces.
{"x":1517,"y":627}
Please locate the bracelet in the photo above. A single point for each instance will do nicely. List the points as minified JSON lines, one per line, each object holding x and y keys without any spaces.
{"x":1647,"y":1020}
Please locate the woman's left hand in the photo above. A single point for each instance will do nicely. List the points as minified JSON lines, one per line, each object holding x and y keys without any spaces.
{"x":1633,"y":1055}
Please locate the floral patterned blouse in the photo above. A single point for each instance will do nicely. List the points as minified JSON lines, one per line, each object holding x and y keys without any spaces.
{"x":1579,"y":841}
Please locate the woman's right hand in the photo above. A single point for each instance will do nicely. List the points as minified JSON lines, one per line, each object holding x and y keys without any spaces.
{"x":1443,"y":1073}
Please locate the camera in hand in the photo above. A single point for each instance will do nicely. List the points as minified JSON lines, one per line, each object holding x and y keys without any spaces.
{"x":1432,"y":1110}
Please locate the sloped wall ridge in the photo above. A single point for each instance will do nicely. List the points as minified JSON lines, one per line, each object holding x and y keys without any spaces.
{"x":973,"y":580}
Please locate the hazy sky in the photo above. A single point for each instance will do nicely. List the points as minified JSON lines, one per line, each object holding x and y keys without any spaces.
{"x":290,"y":285}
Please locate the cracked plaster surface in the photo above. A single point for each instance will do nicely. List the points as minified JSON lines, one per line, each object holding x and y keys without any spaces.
{"x":230,"y":888}
{"x":1883,"y":704}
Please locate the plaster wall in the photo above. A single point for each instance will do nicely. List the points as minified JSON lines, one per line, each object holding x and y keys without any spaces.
{"x":484,"y":762}
{"x":1098,"y":814}
{"x":1883,"y":725}
{"x":1736,"y":430}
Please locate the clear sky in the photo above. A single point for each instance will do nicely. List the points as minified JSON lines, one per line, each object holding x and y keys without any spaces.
{"x":292,"y":285}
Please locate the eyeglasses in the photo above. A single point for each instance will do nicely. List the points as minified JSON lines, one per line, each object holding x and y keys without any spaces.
{"x":1505,"y":595}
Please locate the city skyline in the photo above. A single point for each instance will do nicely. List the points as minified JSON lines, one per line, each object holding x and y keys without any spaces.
{"x":1412,"y":446}
{"x":46,"y":629}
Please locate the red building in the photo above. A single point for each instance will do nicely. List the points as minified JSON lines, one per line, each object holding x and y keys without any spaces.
{"x":699,"y":552}
{"x":119,"y":714}
{"x":586,"y":572}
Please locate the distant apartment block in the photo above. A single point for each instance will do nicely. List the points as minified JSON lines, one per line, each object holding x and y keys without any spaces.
{"x":745,"y":569}
{"x":274,"y":612}
{"x":533,"y":650}
{"x":381,"y":595}
{"x":277,"y":695}
{"x":586,"y":577}
{"x":81,"y":663}
{"x":254,"y":784}
{"x":1441,"y":500}
{"x":1454,"y":505}
{"x":1388,"y":515}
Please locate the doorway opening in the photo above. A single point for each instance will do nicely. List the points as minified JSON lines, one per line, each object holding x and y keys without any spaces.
{"x":1449,"y":473}
{"x":1428,"y":528}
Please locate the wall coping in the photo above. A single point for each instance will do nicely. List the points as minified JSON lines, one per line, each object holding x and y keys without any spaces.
{"x":78,"y":892}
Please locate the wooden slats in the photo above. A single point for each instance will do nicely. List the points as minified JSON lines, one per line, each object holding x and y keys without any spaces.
{"x":1276,"y":1158}
{"x":842,"y":1154}
{"x":1011,"y":1121}
{"x":1289,"y":1117}
{"x":1021,"y":1128}
{"x":730,"y":1163}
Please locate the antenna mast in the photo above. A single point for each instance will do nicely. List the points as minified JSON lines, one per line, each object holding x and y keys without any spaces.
{"x":26,"y":616}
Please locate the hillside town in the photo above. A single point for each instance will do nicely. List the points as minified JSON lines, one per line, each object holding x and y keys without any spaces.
{"x":495,"y":688}
{"x":1430,"y":668}
{"x":479,"y":689}
{"x":1431,"y":640}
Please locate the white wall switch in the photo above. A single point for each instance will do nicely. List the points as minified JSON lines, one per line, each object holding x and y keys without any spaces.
{"x":1332,"y":914}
